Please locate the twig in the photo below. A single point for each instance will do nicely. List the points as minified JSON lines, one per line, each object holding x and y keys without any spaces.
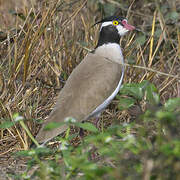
{"x":153,"y":70}
{"x":140,"y":67}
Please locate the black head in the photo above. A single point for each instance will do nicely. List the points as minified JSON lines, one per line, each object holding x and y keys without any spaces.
{"x":112,"y":28}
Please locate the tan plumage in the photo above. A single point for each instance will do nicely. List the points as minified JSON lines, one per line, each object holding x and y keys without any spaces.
{"x":91,"y":82}
{"x":94,"y":82}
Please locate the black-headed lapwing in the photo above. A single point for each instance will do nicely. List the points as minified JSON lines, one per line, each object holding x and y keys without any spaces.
{"x":94,"y":82}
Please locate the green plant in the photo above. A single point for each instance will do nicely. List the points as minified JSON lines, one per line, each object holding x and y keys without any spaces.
{"x":132,"y":150}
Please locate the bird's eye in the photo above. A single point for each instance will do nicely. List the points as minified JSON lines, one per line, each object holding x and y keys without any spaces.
{"x":115,"y":23}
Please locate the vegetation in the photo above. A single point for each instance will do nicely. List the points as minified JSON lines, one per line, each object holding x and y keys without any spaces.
{"x":138,"y":137}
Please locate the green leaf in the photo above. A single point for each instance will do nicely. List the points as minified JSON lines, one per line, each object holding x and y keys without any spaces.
{"x":144,"y":84}
{"x":32,"y":152}
{"x":125,"y":103}
{"x":109,"y":9}
{"x":152,"y":95}
{"x":87,"y":126}
{"x":25,"y":153}
{"x":157,"y":33}
{"x":131,"y":60}
{"x":6,"y":124}
{"x":132,"y":89}
{"x":63,"y":77}
{"x":172,"y":104}
{"x":171,"y":149}
{"x":141,"y":39}
{"x":173,"y":15}
{"x":17,"y":117}
{"x":53,"y":125}
{"x":20,"y":15}
{"x":83,"y":43}
{"x":139,"y":90}
{"x":165,"y":116}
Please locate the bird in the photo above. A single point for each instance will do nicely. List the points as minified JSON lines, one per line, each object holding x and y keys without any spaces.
{"x":93,"y":83}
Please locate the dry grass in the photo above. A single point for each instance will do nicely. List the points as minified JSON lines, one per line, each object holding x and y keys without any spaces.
{"x":52,"y":39}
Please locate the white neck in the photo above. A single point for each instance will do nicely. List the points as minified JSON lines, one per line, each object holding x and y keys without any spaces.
{"x":111,"y":51}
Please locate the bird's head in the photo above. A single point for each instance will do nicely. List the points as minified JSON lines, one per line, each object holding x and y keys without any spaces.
{"x":114,"y":23}
{"x":112,"y":28}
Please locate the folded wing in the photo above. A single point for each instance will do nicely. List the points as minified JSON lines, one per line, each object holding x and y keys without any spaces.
{"x":88,"y":86}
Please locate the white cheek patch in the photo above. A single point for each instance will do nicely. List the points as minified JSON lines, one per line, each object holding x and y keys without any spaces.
{"x":121,"y":30}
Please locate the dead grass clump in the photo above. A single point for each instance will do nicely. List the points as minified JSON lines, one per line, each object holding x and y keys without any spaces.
{"x":32,"y":63}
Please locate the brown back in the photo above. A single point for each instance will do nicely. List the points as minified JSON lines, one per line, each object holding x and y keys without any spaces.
{"x":90,"y":83}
